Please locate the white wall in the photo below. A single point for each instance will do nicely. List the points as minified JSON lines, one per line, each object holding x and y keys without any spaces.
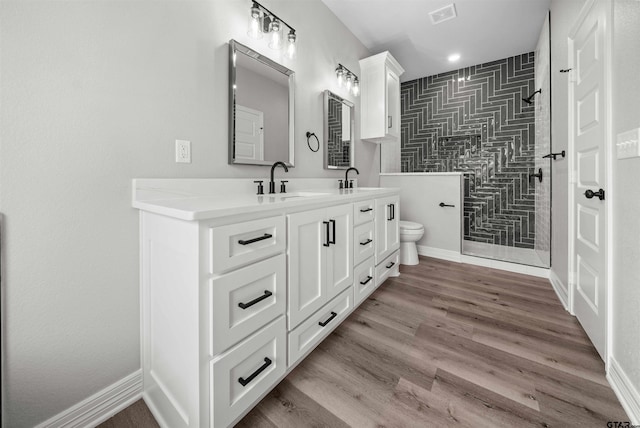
{"x":625,"y":309}
{"x":94,"y":94}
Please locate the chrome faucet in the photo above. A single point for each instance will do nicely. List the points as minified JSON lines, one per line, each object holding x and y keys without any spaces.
{"x":272,"y":184}
{"x":346,"y":177}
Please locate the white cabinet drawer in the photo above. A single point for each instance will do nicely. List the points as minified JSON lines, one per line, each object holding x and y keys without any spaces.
{"x":307,"y":335}
{"x":388,"y":265}
{"x":246,"y":299}
{"x":363,"y":245}
{"x":240,"y":376}
{"x":364,"y":281}
{"x":364,"y":211}
{"x":239,"y":244}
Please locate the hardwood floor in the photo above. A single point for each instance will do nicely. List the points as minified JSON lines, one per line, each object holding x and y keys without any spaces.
{"x":447,"y":344}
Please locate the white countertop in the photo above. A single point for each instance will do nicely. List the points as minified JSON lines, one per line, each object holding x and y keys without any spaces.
{"x":199,"y":199}
{"x":421,"y":173}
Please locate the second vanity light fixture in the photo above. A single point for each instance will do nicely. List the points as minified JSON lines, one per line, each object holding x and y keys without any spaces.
{"x":262,"y":21}
{"x":348,"y":79}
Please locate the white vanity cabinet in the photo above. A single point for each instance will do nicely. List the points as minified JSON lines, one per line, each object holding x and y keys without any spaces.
{"x":380,"y":98}
{"x":387,"y":226}
{"x":320,"y":245}
{"x":235,"y":292}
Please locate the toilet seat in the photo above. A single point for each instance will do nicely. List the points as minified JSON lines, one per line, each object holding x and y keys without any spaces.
{"x":410,"y":225}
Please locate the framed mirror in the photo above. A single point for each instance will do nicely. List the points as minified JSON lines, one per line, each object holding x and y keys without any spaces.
{"x":261,"y":106}
{"x":338,"y":132}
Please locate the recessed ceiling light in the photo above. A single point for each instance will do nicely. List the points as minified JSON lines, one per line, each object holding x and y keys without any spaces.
{"x":453,"y":57}
{"x":443,"y":14}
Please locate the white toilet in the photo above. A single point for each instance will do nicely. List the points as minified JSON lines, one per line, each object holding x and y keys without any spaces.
{"x":410,"y":233}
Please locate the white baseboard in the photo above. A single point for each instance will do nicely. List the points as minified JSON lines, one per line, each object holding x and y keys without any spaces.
{"x":560,"y":289}
{"x":625,"y":391}
{"x":100,"y":406}
{"x":438,"y":253}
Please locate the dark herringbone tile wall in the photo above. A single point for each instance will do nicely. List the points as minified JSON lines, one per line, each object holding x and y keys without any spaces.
{"x":337,"y":150}
{"x":474,"y":121}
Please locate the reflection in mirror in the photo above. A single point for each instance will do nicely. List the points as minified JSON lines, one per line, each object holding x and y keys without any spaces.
{"x":338,"y":132}
{"x":260,"y":108}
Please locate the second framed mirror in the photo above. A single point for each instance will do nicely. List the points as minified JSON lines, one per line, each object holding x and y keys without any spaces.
{"x":338,"y":132}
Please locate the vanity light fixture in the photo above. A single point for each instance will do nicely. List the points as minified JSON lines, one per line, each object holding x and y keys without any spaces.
{"x":263,"y":21}
{"x":348,"y":79}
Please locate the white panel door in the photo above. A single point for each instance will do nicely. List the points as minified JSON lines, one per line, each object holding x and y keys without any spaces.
{"x":340,"y":250}
{"x":308,"y":241}
{"x":387,"y":225}
{"x":249,"y":134}
{"x":590,"y":136}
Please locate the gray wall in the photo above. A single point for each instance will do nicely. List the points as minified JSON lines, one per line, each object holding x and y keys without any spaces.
{"x":93,"y":95}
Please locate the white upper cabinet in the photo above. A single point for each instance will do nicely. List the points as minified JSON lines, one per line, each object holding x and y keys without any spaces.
{"x":380,"y":98}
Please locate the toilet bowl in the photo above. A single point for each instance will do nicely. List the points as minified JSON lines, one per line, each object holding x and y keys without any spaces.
{"x":410,"y":233}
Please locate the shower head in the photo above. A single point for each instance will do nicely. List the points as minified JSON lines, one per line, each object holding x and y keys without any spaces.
{"x":529,"y":99}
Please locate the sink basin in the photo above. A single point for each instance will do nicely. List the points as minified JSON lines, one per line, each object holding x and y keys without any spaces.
{"x":301,"y":195}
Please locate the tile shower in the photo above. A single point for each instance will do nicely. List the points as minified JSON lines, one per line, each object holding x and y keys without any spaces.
{"x":474,"y":121}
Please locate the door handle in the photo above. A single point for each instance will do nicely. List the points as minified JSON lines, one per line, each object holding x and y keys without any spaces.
{"x":590,"y":194}
{"x":389,"y":122}
{"x":327,"y":242}
{"x":442,"y":204}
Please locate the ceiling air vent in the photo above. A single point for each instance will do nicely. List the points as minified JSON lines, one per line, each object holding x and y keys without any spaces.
{"x":443,"y":14}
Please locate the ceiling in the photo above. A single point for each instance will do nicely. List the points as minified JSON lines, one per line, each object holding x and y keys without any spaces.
{"x":483,"y":31}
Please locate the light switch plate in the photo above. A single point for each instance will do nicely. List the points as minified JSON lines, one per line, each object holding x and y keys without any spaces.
{"x":183,"y":151}
{"x":628,"y":144}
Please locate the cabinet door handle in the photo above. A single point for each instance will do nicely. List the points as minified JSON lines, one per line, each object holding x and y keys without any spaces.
{"x":333,"y":240}
{"x":442,"y":204}
{"x":366,"y":210}
{"x":369,"y":278}
{"x":389,"y":218}
{"x":333,"y":315}
{"x":389,"y":122}
{"x":251,"y":241}
{"x":245,"y":382}
{"x":326,"y":243}
{"x":390,"y":265}
{"x":368,"y":241}
{"x":266,"y":294}
{"x":393,"y":211}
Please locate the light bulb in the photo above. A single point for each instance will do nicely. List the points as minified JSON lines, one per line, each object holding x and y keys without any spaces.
{"x":349,"y":82}
{"x":356,"y":87}
{"x":254,"y":23}
{"x":340,"y":75}
{"x":291,"y":45}
{"x":274,"y":29}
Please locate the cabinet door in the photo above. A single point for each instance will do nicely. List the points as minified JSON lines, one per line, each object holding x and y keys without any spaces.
{"x":393,"y":105}
{"x":307,"y":266}
{"x":387,"y":225}
{"x":340,"y":251}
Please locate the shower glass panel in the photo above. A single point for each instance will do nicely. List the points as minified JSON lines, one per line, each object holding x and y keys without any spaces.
{"x":492,"y":123}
